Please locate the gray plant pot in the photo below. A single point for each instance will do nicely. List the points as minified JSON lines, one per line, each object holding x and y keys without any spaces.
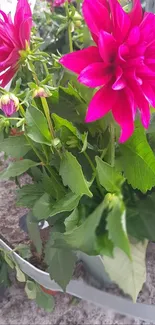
{"x":80,"y":289}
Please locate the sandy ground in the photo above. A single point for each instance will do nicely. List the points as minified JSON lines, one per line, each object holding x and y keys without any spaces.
{"x":15,"y":308}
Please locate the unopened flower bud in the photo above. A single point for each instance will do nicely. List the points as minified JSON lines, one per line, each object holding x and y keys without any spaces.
{"x":40,"y":92}
{"x":9,"y":104}
{"x":78,"y":23}
{"x":56,"y":143}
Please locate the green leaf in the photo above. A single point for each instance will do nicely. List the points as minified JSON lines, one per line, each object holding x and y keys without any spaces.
{"x":4,"y":272}
{"x":84,"y":237}
{"x":36,"y":174}
{"x":34,"y":233}
{"x":59,"y":122}
{"x":8,"y":260}
{"x":138,"y":161}
{"x":84,"y":139}
{"x":24,"y":251}
{"x":31,"y":289}
{"x":37,"y":127}
{"x":68,"y":104}
{"x":15,"y":146}
{"x":104,"y":246}
{"x":129,"y":274}
{"x":17,"y":168}
{"x":72,"y":175}
{"x":44,"y":300}
{"x":67,"y":203}
{"x":29,"y":194}
{"x":62,"y":263}
{"x":19,"y":274}
{"x":4,"y":276}
{"x":45,"y":208}
{"x":116,"y":225}
{"x":109,"y":177}
{"x":52,"y":185}
{"x":42,"y":207}
{"x":141,"y":219}
{"x":72,"y":221}
{"x":85,"y":92}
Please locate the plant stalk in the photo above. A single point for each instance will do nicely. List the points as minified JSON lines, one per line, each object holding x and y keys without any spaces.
{"x":34,"y":149}
{"x":47,"y":114}
{"x":112,"y":144}
{"x":69,"y":28}
{"x":95,"y":173}
{"x":46,"y":69}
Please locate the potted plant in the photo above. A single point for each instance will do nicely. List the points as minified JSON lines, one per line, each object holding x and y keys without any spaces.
{"x":90,"y":158}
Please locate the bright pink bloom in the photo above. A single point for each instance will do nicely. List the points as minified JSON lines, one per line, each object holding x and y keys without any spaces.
{"x":14,"y":37}
{"x":122,"y":63}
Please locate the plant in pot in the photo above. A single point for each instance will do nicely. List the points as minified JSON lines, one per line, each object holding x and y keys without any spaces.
{"x":87,"y":143}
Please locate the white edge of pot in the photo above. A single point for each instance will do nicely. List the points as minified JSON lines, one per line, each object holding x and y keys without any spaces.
{"x":80,"y":289}
{"x":93,"y":264}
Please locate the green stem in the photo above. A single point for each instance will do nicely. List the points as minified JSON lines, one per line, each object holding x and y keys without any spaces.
{"x":90,"y":162}
{"x":51,"y":172}
{"x":11,"y":118}
{"x":46,"y":69}
{"x":99,"y":185}
{"x":104,"y":151}
{"x":53,"y":175}
{"x":45,"y":152}
{"x":112,"y":144}
{"x":22,"y":111}
{"x":34,"y":149}
{"x":69,"y":28}
{"x":78,"y":5}
{"x":47,"y":114}
{"x":95,"y":173}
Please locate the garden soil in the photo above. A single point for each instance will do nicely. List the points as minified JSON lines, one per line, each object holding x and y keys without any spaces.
{"x":15,"y":308}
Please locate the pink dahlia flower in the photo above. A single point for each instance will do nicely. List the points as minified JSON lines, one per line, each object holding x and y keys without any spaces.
{"x":121,"y":64}
{"x":14,"y":37}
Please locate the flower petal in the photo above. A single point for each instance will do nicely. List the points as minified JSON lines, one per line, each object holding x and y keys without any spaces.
{"x":145,"y":72}
{"x":123,"y":113}
{"x":107,"y":46}
{"x":9,"y":108}
{"x":148,"y":93}
{"x":121,"y":20}
{"x":25,"y":32}
{"x":12,"y":58}
{"x":95,"y":75}
{"x":120,"y":82}
{"x":23,"y":10}
{"x":101,"y":104}
{"x":123,"y":52}
{"x":147,"y":27}
{"x":5,"y":17}
{"x":77,"y":61}
{"x":141,"y":103}
{"x":134,"y":36}
{"x":96,"y":16}
{"x":6,"y":77}
{"x":136,"y":14}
